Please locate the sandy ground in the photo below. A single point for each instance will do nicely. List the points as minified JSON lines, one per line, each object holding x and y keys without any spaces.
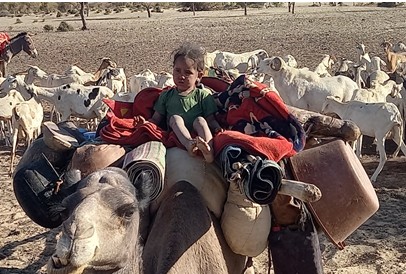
{"x":136,"y":42}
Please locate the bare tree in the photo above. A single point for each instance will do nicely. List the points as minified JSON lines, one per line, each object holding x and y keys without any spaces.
{"x":193,"y":9}
{"x":245,"y":8}
{"x":148,"y":7}
{"x":82,"y":15}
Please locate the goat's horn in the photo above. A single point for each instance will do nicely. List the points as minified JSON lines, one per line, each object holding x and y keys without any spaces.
{"x":24,"y":72}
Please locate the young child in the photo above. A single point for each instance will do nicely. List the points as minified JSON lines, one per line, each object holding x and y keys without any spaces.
{"x":188,"y":107}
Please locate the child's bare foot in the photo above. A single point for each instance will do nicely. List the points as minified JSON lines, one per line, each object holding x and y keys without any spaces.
{"x":206,"y":150}
{"x":192,"y":148}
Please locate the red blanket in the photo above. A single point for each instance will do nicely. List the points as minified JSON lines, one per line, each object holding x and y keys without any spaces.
{"x":4,"y":40}
{"x":264,"y":111}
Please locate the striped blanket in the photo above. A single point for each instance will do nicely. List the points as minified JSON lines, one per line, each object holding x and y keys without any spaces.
{"x":147,"y":159}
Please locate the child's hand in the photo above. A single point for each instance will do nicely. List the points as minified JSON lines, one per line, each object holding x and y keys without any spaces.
{"x":218,"y":130}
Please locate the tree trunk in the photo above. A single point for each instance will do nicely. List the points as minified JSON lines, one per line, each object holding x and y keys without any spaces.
{"x":149,"y":11}
{"x":245,"y":9}
{"x":82,"y":15}
{"x":193,"y":9}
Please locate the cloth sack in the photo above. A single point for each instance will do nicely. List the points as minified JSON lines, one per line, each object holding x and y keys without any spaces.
{"x":245,"y":224}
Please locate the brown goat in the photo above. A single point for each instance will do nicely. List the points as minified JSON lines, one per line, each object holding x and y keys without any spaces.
{"x":393,"y":59}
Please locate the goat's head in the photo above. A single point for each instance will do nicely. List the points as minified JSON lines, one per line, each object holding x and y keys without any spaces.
{"x":8,"y":84}
{"x":107,"y":62}
{"x":327,"y":61}
{"x":263,"y":66}
{"x":325,"y":109}
{"x":386,"y":45}
{"x":360,"y":48}
{"x":262,"y":55}
{"x":37,"y":71}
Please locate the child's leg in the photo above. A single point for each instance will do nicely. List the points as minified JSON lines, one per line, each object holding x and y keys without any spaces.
{"x":204,"y":139}
{"x":178,"y":126}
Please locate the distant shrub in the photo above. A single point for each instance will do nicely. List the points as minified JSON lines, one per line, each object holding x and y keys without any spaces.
{"x":107,"y":11}
{"x":157,"y":9}
{"x":48,"y":28}
{"x":43,"y":20}
{"x":387,"y":4}
{"x":35,"y":21}
{"x":118,"y":9}
{"x":4,"y":13}
{"x":59,"y":14}
{"x":277,"y":4}
{"x":63,"y":26}
{"x":18,"y":21}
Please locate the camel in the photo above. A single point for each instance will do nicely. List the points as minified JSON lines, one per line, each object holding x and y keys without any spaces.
{"x":102,"y":233}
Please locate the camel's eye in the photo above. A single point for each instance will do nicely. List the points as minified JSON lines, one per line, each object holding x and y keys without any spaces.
{"x":126,"y":211}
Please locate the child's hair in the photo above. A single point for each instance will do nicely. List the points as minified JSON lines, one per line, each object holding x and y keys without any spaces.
{"x":192,"y":51}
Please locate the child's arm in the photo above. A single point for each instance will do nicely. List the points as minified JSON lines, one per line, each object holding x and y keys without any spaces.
{"x":156,"y":118}
{"x":213,"y":124}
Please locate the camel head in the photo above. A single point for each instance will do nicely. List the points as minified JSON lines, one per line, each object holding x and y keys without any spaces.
{"x":101,"y":230}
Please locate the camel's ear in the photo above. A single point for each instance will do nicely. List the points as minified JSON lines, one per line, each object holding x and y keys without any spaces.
{"x":143,"y":184}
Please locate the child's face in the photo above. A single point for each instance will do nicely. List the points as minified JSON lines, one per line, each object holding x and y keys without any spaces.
{"x":185,"y":74}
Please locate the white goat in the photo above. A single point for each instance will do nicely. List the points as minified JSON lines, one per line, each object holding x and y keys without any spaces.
{"x":148,"y":78}
{"x":164,"y":79}
{"x":363,"y":56}
{"x":377,"y":76}
{"x":229,"y":60}
{"x":105,"y":62}
{"x":325,"y":65}
{"x":209,"y":59}
{"x":303,"y":88}
{"x":374,"y":120}
{"x":7,"y":104}
{"x":379,"y":93}
{"x":114,"y":79}
{"x":54,"y":80}
{"x":71,"y":99}
{"x":27,"y":117}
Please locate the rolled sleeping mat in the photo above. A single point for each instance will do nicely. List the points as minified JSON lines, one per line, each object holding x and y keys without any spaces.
{"x":148,"y":158}
{"x":260,"y":179}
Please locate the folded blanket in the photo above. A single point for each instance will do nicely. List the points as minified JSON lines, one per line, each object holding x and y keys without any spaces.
{"x":268,"y":148}
{"x":258,"y":179}
{"x":148,"y":158}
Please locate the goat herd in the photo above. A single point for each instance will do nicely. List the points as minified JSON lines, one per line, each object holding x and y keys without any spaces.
{"x":359,"y":91}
